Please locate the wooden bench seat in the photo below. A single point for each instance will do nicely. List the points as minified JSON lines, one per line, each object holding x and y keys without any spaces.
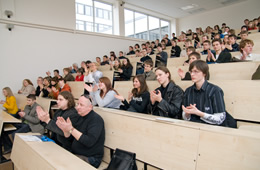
{"x":241,"y":96}
{"x":178,"y":144}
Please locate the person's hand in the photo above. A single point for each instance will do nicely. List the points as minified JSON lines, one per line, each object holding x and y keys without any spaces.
{"x":48,"y":73}
{"x":156,"y":97}
{"x":95,"y":88}
{"x":2,"y":102}
{"x":151,"y":97}
{"x":41,"y":86}
{"x":244,"y":55}
{"x":130,"y":95}
{"x":64,"y":125}
{"x":119,"y":97}
{"x":88,"y":88}
{"x":192,"y":109}
{"x":42,"y":115}
{"x":120,"y":70}
{"x":21,"y":114}
{"x":54,"y":89}
{"x":181,"y":73}
{"x":19,"y":91}
{"x":185,"y":64}
{"x":49,"y":89}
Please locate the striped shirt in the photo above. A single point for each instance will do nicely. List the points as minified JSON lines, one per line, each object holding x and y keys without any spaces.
{"x":209,"y":99}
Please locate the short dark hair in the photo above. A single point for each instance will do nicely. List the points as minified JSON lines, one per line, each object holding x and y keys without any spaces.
{"x":88,"y":62}
{"x":232,"y":35}
{"x":31,"y":96}
{"x":200,"y":65}
{"x":56,"y":70}
{"x":68,"y":96}
{"x":196,"y":54}
{"x":244,"y":32}
{"x":159,"y":45}
{"x":149,"y":62}
{"x":217,"y":40}
{"x":206,"y":41}
{"x":62,"y":79}
{"x":105,"y":56}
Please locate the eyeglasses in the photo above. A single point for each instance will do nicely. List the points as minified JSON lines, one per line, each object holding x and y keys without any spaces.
{"x":194,"y":72}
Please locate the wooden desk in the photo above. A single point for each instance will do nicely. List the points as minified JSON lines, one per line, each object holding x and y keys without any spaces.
{"x":43,"y":156}
{"x":177,"y":144}
{"x":6,"y":118}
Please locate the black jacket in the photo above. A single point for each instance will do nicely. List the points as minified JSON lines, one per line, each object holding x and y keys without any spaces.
{"x":170,"y":106}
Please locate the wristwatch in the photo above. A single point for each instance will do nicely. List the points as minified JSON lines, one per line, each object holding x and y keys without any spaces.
{"x":71,"y":130}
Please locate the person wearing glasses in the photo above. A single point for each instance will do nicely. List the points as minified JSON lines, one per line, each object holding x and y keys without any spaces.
{"x":88,"y":134}
{"x":203,"y":102}
{"x":103,"y":95}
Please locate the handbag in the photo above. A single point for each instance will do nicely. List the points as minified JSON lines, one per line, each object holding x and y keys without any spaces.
{"x":122,"y":160}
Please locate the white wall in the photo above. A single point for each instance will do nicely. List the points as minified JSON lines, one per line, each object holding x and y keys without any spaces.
{"x":233,"y":16}
{"x":28,"y":51}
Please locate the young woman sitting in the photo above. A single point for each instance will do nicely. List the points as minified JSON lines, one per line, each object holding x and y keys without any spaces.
{"x":138,"y":98}
{"x":103,"y":95}
{"x":167,"y":99}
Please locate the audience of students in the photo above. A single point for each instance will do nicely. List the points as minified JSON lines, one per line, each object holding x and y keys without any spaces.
{"x":62,"y":87}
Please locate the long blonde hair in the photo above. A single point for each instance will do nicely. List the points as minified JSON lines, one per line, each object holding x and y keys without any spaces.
{"x":9,"y":91}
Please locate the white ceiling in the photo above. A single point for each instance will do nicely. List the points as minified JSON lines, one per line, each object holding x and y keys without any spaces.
{"x":172,"y":8}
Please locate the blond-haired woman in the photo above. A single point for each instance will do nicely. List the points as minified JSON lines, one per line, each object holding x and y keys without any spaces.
{"x":10,"y":102}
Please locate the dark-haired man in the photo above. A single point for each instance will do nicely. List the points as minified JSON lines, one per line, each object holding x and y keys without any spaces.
{"x":66,"y":105}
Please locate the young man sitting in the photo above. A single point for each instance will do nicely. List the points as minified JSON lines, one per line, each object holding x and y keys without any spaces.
{"x":30,"y":122}
{"x":176,"y":50}
{"x":246,"y":47}
{"x":131,"y":51}
{"x":63,"y":87}
{"x":220,"y":56}
{"x":232,"y":46}
{"x":206,"y":47}
{"x":161,"y":57}
{"x":148,"y":70}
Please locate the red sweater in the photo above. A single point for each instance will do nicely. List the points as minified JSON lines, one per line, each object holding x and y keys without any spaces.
{"x":81,"y":78}
{"x":66,"y":87}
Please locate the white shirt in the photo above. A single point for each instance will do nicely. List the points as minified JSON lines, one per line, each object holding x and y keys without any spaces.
{"x":250,"y":57}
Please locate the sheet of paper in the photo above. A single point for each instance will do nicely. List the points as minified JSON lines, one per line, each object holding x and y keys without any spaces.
{"x":30,"y":138}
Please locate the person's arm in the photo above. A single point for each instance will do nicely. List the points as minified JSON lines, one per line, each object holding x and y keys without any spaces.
{"x":144,"y":103}
{"x":173,"y":106}
{"x":178,"y":51}
{"x":128,"y":72}
{"x":11,"y":104}
{"x":110,"y":96}
{"x":92,"y":133}
{"x":31,"y":116}
{"x":164,"y":57}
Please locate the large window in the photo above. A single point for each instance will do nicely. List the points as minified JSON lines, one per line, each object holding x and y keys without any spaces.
{"x":94,"y":16}
{"x":145,"y":27}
